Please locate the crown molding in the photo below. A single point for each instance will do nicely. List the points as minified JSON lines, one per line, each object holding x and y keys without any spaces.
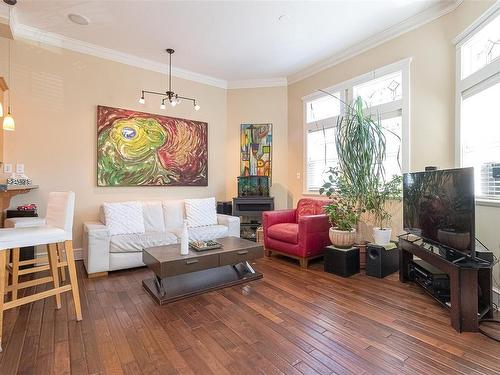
{"x":255,"y":83}
{"x":4,"y":11}
{"x":477,"y":24}
{"x":61,"y":41}
{"x":392,"y":32}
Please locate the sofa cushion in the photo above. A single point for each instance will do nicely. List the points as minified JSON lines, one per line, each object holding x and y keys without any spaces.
{"x":127,"y":243}
{"x":286,"y":232}
{"x":173,"y":212}
{"x":124,"y":218}
{"x":210,"y":232}
{"x":200,"y":212}
{"x":153,"y":216}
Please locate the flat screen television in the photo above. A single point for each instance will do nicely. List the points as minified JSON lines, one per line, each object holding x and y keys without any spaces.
{"x":439,"y":207}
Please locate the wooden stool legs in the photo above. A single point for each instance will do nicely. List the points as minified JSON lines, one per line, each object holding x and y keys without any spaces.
{"x":70,"y":258}
{"x":15,"y":272}
{"x":60,"y":248}
{"x":54,"y":265}
{"x":52,"y":250}
{"x":3,"y":266}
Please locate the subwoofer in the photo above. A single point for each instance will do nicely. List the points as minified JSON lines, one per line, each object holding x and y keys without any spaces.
{"x":380,"y":261}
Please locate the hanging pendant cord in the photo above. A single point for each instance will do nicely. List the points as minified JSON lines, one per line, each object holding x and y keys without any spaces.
{"x":170,"y":73}
{"x":10,"y":66}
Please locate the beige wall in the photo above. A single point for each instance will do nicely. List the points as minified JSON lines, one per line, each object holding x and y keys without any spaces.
{"x":54,"y":98}
{"x":258,"y":106}
{"x":487,"y":220}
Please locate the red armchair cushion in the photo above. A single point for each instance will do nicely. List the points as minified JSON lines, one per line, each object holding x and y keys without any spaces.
{"x":307,"y":207}
{"x":286,"y":232}
{"x":301,"y":232}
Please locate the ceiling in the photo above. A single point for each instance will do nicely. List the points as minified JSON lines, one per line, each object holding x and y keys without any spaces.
{"x":233,"y":40}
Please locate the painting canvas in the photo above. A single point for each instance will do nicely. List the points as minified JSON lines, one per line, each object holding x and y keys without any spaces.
{"x":142,"y":149}
{"x":256,"y":144}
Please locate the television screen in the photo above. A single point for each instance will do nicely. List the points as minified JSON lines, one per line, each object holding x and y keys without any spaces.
{"x":439,"y":206}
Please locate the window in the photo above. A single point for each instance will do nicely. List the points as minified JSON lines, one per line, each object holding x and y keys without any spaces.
{"x":322,"y":154}
{"x":482,"y":48}
{"x":382,"y":90}
{"x":386,"y":93}
{"x":478,"y":90}
{"x":322,"y":108}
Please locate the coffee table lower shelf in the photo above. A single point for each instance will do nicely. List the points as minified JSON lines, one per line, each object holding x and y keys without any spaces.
{"x":177,"y":287}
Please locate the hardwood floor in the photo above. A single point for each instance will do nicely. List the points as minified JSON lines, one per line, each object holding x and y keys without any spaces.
{"x":292,"y":321}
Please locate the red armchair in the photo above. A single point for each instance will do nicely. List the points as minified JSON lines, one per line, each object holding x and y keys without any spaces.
{"x":300,"y":233}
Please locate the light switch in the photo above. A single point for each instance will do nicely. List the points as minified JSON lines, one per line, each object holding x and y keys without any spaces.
{"x":298,"y":175}
{"x":20,"y":168}
{"x":7,"y":168}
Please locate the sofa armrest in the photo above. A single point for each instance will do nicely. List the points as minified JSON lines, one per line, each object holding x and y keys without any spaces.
{"x":232,"y":222}
{"x":314,"y":224}
{"x":313,"y":234}
{"x":277,"y":217}
{"x":96,"y":239}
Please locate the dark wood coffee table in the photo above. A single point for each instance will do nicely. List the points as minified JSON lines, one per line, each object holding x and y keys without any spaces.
{"x":179,"y":276}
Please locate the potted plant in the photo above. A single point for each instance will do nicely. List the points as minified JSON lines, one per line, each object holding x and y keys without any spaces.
{"x":343,"y":212}
{"x":343,"y":218}
{"x":376,"y":205}
{"x":360,"y":143}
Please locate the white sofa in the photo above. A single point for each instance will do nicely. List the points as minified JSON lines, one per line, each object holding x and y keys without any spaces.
{"x":163,"y":221}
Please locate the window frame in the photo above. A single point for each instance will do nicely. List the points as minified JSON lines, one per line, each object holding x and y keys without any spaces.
{"x":346,"y":90}
{"x":474,"y":83}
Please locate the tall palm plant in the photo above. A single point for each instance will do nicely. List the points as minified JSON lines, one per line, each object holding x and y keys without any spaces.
{"x":361,"y":147}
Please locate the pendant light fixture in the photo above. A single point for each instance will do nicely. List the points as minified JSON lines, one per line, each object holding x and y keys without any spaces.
{"x":169,"y":96}
{"x":8,"y":121}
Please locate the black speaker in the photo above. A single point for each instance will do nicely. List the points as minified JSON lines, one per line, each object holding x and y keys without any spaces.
{"x":380,"y":261}
{"x":342,"y":262}
{"x":225,"y":208}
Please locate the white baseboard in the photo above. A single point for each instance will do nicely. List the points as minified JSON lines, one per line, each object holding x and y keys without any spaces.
{"x":78,"y":254}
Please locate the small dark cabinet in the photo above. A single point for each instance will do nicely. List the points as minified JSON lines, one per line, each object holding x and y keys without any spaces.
{"x":250,"y":210}
{"x":225,"y":208}
{"x":342,"y":262}
{"x":470,"y":281}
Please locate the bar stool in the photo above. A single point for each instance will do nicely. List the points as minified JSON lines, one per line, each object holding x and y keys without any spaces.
{"x":14,"y":267}
{"x":57,"y":229}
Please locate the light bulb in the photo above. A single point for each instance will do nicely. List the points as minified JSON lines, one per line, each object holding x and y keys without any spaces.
{"x":173,"y":102}
{"x":8,"y":123}
{"x":142,"y":100}
{"x":1,"y":109}
{"x":196,"y":107}
{"x":162,"y":106}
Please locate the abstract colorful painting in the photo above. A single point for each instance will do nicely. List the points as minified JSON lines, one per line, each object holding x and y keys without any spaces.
{"x":142,"y":149}
{"x":256,"y":143}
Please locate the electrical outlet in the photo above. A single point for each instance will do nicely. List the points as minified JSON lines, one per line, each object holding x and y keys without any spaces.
{"x":7,"y":168}
{"x":20,"y":168}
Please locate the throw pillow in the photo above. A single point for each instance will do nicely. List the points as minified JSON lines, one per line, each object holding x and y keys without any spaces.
{"x":124,"y":218}
{"x":200,"y":212}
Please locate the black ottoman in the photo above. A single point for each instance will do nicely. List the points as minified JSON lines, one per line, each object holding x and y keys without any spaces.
{"x":342,"y":262}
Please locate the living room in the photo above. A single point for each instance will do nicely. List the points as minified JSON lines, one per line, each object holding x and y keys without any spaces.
{"x":70,"y":68}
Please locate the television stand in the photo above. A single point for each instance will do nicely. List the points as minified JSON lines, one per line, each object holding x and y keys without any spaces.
{"x":471,"y":295}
